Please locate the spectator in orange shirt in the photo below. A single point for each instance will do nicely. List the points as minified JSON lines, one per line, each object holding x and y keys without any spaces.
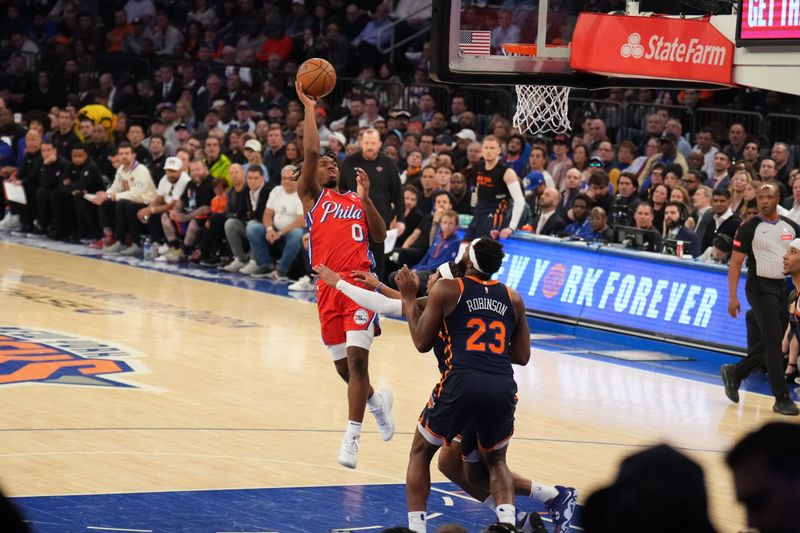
{"x":219,"y":204}
{"x":115,"y":39}
{"x":276,"y":43}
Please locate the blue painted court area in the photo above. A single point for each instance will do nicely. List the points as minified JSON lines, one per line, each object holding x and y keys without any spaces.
{"x":284,"y":510}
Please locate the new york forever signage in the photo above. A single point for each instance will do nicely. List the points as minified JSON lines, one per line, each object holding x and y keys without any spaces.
{"x":630,"y":290}
{"x":768,"y":22}
{"x":654,"y":47}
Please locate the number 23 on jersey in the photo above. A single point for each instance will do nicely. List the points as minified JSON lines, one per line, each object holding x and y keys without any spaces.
{"x":487,"y":337}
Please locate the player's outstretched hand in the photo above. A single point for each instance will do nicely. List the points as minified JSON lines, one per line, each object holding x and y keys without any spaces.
{"x":362,"y":183}
{"x":367,"y":278}
{"x":408,"y":283}
{"x":303,"y":97}
{"x":327,"y":275}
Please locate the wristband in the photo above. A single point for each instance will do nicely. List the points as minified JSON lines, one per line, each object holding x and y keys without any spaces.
{"x":378,"y":288}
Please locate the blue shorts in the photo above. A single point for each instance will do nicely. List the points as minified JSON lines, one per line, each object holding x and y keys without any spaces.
{"x":471,"y":399}
{"x":488,"y":219}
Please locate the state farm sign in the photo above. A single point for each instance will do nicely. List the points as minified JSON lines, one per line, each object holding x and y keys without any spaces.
{"x":676,"y":49}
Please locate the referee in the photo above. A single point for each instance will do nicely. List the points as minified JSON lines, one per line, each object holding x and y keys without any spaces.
{"x":763,"y":240}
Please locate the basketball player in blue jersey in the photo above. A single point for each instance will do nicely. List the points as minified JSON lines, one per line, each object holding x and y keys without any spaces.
{"x":483,"y":327}
{"x":495,"y":184}
{"x":460,"y":461}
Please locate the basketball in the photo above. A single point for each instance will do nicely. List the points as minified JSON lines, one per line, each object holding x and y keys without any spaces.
{"x":317,"y":76}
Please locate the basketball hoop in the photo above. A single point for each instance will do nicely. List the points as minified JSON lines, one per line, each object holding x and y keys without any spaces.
{"x":540,"y":108}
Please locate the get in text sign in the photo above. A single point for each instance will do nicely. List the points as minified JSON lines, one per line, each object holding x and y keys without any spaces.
{"x":769,"y":20}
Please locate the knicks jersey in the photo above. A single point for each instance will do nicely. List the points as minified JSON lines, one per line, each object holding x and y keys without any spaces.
{"x":477,"y":334}
{"x":338,"y":227}
{"x":489,"y":184}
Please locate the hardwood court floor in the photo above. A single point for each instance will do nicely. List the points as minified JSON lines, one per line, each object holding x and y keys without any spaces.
{"x":234,"y":390}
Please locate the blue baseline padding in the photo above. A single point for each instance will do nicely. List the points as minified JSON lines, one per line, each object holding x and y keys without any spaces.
{"x":653,"y":293}
{"x":284,"y":510}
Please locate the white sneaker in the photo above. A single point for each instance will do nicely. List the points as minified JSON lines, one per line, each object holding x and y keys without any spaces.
{"x":114,"y":249}
{"x":303,"y":284}
{"x":163,"y":249}
{"x":234,"y":266}
{"x":348,"y":452}
{"x":383,"y":414}
{"x":134,"y":250}
{"x":13,"y":223}
{"x":250,"y":268}
{"x":154,"y":252}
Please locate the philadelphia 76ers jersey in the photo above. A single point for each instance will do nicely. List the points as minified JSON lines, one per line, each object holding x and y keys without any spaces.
{"x":338,"y":227}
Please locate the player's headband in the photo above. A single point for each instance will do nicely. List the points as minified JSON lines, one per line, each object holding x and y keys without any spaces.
{"x":795,"y":244}
{"x":447,"y":273}
{"x":473,"y":258}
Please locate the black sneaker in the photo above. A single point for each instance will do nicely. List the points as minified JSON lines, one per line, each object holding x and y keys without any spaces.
{"x":785,"y":406}
{"x":731,"y":383}
{"x":531,"y":522}
{"x":212,"y":261}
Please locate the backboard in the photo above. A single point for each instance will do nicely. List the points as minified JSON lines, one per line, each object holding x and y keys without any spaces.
{"x":763,"y":40}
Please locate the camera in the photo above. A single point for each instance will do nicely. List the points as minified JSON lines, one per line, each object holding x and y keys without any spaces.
{"x":620,"y":212}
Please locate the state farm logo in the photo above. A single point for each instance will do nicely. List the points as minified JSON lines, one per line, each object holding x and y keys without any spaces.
{"x":633,"y":48}
{"x":674,"y":51}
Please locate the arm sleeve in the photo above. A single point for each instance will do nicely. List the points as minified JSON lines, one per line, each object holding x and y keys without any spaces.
{"x":743,"y":238}
{"x":519,"y":204}
{"x":371,"y":300}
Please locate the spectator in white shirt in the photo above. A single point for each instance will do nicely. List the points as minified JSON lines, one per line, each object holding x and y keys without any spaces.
{"x":169,"y":191}
{"x":794,"y":209}
{"x":119,"y":205}
{"x":282,"y":227}
{"x":705,"y":145}
{"x":370,"y":116}
{"x":165,"y":36}
{"x":504,"y":32}
{"x":139,"y":9}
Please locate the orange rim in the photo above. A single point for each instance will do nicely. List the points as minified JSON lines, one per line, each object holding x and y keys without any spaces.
{"x":521,"y":49}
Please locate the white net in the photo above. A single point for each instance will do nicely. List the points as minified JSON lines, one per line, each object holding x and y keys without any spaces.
{"x":542,"y":109}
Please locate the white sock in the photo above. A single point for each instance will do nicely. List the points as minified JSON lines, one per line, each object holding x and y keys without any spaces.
{"x":374,"y":402}
{"x":506,"y":513}
{"x":542,"y":493}
{"x":353,"y":430}
{"x":416,"y":522}
{"x":489,"y":502}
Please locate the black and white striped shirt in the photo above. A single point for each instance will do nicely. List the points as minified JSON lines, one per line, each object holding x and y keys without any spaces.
{"x":765,"y":244}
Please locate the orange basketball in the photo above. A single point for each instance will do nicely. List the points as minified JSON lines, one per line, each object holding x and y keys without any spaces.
{"x":317,"y":76}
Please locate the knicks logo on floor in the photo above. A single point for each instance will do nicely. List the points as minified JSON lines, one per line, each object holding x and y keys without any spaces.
{"x":37,"y":356}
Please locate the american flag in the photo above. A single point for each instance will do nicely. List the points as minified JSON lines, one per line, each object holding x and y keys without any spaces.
{"x":474,"y":42}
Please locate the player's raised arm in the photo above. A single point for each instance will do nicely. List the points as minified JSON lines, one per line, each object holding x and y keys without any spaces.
{"x":307,"y":185}
{"x":521,"y":339}
{"x":375,"y":223}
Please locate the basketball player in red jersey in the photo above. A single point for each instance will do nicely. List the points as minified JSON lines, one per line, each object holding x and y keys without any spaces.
{"x":340,"y":224}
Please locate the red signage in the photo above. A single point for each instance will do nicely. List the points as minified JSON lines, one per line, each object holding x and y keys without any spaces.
{"x":769,"y":20}
{"x":652,"y":47}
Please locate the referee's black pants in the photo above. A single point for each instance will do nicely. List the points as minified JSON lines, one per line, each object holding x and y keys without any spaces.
{"x":766,"y":325}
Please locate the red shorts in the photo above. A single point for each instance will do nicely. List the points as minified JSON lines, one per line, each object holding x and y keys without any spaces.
{"x":338,"y":314}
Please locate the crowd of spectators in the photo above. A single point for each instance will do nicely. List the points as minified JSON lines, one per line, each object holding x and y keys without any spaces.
{"x":194,"y":162}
